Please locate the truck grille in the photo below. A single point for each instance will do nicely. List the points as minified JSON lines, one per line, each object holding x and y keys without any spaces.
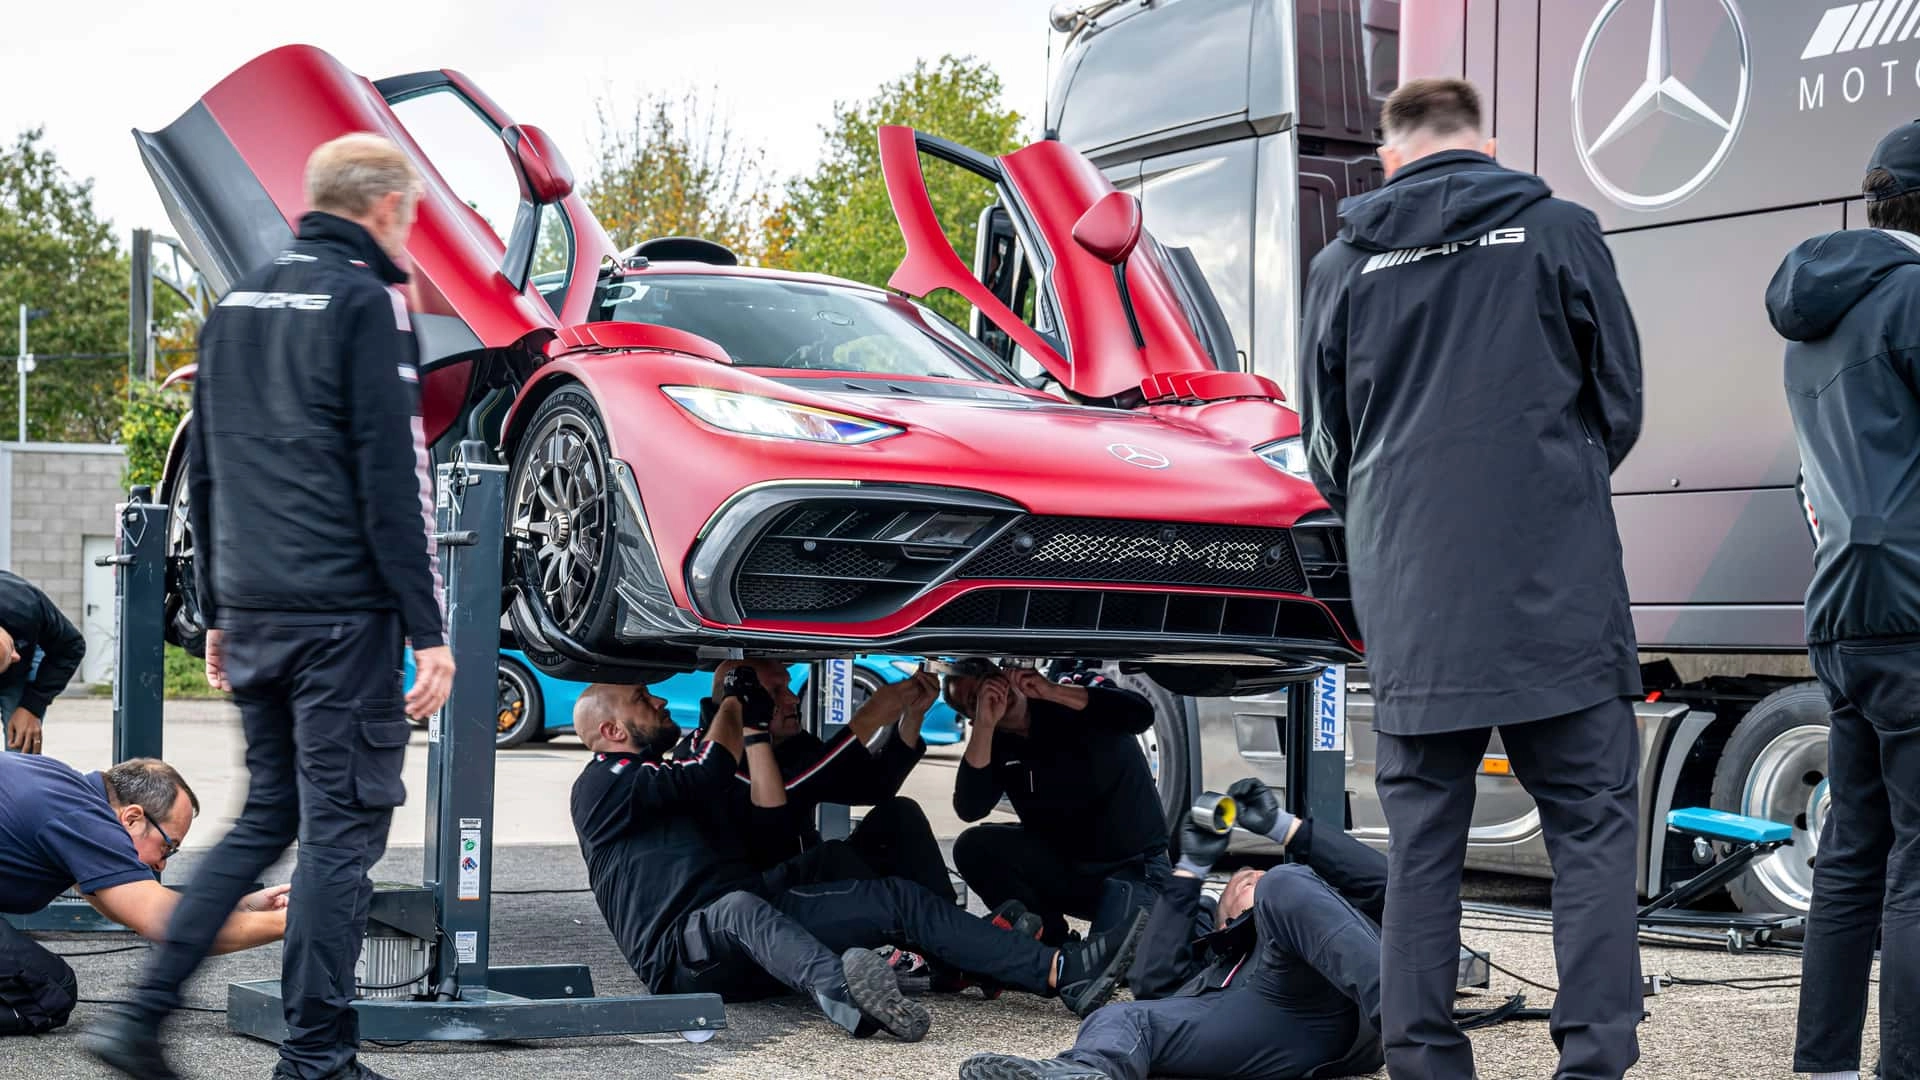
{"x":1141,"y":553}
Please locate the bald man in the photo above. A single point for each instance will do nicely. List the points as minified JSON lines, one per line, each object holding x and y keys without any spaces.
{"x":667,"y":865}
{"x":894,"y":838}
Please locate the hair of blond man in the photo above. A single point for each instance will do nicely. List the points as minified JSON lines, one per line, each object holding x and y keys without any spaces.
{"x":349,"y":174}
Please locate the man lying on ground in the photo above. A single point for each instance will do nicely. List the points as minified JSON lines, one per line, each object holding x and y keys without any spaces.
{"x":1279,"y":980}
{"x":110,"y":835}
{"x":666,"y":861}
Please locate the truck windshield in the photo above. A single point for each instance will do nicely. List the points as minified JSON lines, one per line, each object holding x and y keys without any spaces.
{"x":774,"y":323}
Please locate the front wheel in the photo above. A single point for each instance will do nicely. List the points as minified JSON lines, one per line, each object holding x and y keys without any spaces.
{"x":560,"y":505}
{"x":1775,"y":767}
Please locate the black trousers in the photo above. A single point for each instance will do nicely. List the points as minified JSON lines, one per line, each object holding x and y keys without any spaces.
{"x":1866,"y":876}
{"x":1007,"y":862}
{"x":1583,"y":771}
{"x":37,"y":989}
{"x":320,"y":701}
{"x":896,"y":840}
{"x":1295,"y":1006}
{"x":743,"y":946}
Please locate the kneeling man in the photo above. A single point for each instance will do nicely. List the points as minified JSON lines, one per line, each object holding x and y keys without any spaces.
{"x":668,"y":867}
{"x":109,"y":835}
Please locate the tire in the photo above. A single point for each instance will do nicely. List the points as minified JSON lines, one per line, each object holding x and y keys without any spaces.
{"x":560,"y":502}
{"x":1775,"y":767}
{"x":184,"y":625}
{"x":521,"y":709}
{"x":1165,"y":745}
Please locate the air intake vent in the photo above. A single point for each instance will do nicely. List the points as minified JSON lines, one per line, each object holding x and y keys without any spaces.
{"x":843,"y":561}
{"x":1110,"y":611}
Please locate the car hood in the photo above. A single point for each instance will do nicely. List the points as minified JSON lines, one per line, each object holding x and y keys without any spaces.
{"x":1158,"y":463}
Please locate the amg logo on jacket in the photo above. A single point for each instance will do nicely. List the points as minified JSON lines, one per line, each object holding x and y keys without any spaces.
{"x":296,"y":300}
{"x":1389,"y":259}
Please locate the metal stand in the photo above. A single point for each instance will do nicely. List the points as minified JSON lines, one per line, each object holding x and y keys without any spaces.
{"x":829,"y":704}
{"x":460,"y":996}
{"x":139,"y":592}
{"x":1315,"y":741}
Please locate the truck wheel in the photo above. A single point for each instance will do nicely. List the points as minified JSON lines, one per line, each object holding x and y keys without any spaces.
{"x":1165,"y":744}
{"x":1775,"y":767}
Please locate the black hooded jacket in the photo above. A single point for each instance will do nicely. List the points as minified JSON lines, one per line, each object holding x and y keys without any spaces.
{"x":307,"y":470}
{"x":1848,"y":304}
{"x":1471,"y":378}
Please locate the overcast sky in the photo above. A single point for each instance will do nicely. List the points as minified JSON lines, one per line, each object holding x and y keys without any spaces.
{"x":89,"y":72}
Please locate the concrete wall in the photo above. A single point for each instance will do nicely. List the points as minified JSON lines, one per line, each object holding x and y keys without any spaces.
{"x":55,"y":495}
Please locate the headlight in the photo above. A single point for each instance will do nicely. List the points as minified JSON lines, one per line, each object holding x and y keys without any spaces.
{"x":1287,"y":455}
{"x":906,"y":667}
{"x":750,"y":414}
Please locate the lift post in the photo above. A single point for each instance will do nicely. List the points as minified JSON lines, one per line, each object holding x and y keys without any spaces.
{"x":459,"y":995}
{"x":1315,"y":741}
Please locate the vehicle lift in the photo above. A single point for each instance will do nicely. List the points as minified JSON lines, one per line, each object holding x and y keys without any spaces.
{"x":425,"y":968}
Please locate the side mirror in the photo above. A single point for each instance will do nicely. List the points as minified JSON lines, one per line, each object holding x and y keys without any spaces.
{"x":1110,"y":228}
{"x":544,"y":175}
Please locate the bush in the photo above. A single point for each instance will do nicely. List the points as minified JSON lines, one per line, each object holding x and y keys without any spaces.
{"x":187,"y":675}
{"x":146,"y":430}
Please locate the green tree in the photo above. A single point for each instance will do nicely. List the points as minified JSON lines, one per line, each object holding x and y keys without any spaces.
{"x":58,"y":255}
{"x":674,"y":166}
{"x":839,"y":221}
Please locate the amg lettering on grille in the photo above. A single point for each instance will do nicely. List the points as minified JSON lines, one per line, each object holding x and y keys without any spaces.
{"x":1114,"y":550}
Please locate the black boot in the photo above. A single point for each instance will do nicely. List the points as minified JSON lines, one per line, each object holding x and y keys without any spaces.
{"x":875,"y":994}
{"x":1091,"y":970}
{"x":1008,"y":1067}
{"x":129,"y":1046}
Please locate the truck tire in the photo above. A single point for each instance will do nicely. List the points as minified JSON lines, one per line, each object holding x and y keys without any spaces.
{"x":1165,"y":745}
{"x":1775,"y":767}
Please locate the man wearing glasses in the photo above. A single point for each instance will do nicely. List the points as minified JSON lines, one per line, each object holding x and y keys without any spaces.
{"x":107,"y":835}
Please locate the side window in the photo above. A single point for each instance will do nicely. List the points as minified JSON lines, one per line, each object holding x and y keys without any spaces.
{"x":467,"y":152}
{"x":553,"y":257}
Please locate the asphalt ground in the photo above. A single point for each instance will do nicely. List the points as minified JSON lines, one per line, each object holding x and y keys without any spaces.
{"x":1692,"y":1032}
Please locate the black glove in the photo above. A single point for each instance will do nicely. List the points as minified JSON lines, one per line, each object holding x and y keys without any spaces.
{"x":1260,"y":810}
{"x":1200,"y":848}
{"x":756,"y":705}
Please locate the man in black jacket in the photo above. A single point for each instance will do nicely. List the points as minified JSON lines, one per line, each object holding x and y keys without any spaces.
{"x":1092,"y":839}
{"x":1279,"y":980}
{"x":1472,"y":377}
{"x":40,"y":649}
{"x":668,"y":865}
{"x":894,"y":838}
{"x":312,"y":513}
{"x":1848,"y":304}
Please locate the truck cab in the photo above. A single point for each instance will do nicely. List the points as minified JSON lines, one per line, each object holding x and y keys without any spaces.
{"x":1710,"y":136}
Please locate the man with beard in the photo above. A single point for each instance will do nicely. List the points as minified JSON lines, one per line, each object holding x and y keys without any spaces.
{"x":668,"y":867}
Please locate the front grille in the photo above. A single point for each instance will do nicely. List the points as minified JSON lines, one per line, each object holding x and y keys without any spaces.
{"x":1141,"y":553}
{"x":848,"y":560}
{"x":1109,"y":611}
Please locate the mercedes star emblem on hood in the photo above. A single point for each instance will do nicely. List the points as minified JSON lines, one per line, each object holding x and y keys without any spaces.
{"x":1711,"y":126}
{"x":1143,"y":456}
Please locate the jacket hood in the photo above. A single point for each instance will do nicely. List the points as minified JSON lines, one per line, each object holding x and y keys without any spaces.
{"x":1444,"y":198}
{"x":1823,"y":278}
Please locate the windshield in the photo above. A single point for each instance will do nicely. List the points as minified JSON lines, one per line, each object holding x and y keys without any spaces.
{"x":766,"y":322}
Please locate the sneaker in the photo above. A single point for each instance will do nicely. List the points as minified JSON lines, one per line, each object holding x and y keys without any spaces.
{"x":1007,"y":913}
{"x":912,"y":970}
{"x":1008,"y":1067}
{"x":1091,"y":971}
{"x":128,"y":1046}
{"x":876,"y":993}
{"x":352,"y":1070}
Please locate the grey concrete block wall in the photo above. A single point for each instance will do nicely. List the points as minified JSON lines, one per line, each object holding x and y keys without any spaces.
{"x":55,"y":495}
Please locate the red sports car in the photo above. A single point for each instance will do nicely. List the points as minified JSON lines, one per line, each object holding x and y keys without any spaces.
{"x":705,"y":455}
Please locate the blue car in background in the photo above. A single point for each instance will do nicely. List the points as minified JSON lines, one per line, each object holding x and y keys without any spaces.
{"x":534,"y":707}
